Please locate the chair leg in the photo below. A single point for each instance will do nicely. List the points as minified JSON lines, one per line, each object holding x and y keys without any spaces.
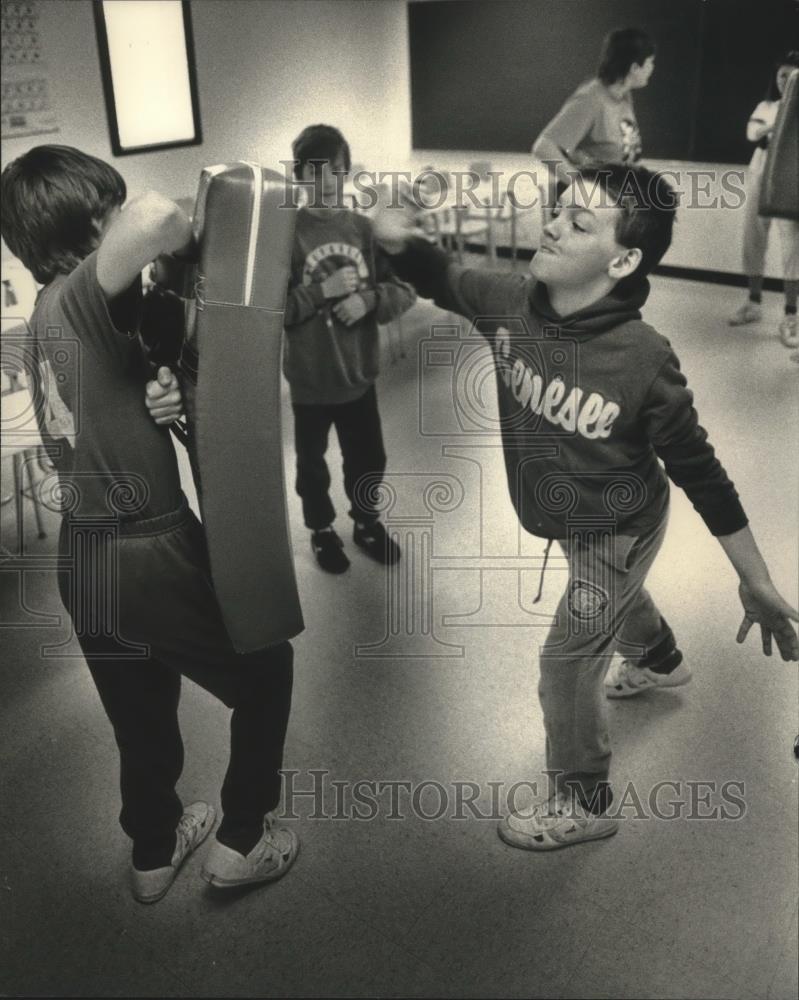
{"x":392,"y":357}
{"x":400,"y":339}
{"x":17,"y":478}
{"x":491,"y":240}
{"x":43,"y":460}
{"x":6,"y":497}
{"x":513,"y":238}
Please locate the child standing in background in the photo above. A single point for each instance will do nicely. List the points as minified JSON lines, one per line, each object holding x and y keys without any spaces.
{"x":597,"y":124}
{"x":341,"y":287}
{"x":756,"y":227}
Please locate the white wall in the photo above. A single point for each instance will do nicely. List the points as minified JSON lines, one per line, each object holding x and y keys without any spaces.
{"x":267,"y":68}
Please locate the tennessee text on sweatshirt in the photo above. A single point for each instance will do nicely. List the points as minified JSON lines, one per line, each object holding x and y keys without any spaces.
{"x":587,"y":403}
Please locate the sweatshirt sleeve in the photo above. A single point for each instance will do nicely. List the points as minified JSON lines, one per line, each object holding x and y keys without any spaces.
{"x":472,"y":293}
{"x":393,"y":297}
{"x":672,"y":425}
{"x":758,"y":123}
{"x":302,"y":302}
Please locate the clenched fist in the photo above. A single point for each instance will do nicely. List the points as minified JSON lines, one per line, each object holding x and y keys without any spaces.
{"x":341,"y":282}
{"x":350,"y":310}
{"x":163,"y":397}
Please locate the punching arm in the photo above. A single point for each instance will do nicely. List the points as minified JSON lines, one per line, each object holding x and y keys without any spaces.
{"x":392,"y":296}
{"x":150,"y":225}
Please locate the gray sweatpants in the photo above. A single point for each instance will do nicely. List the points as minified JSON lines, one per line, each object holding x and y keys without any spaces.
{"x":605,"y":607}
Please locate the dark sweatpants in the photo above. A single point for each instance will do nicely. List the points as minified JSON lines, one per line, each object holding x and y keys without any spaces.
{"x":360,"y":437}
{"x":151,"y":586}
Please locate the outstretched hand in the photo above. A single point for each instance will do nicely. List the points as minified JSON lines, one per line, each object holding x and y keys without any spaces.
{"x":163,"y":397}
{"x":397,"y":218}
{"x":764,"y":606}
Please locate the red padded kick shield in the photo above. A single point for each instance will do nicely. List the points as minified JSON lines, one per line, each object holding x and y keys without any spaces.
{"x":244,"y":227}
{"x":779,"y":191}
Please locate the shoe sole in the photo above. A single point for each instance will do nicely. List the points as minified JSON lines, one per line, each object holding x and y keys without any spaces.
{"x":160,"y":895}
{"x":146,"y":900}
{"x":272,"y":876}
{"x":612,"y":692}
{"x":523,"y":840}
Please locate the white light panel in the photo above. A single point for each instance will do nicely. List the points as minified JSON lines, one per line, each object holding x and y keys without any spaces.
{"x":149,"y":72}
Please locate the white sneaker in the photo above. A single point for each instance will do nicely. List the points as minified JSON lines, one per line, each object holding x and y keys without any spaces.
{"x":561,"y":822}
{"x":270,"y":859}
{"x":194,"y":826}
{"x":625,"y":679}
{"x":788,"y":330}
{"x":749,"y":312}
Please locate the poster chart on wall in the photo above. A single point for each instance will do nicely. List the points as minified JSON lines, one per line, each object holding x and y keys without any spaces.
{"x":26,"y":105}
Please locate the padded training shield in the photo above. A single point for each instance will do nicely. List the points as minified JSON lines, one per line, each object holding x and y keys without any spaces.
{"x":779,"y":191}
{"x":244,"y":227}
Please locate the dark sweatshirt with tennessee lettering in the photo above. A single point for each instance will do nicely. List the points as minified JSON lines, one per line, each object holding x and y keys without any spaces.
{"x":588,"y":404}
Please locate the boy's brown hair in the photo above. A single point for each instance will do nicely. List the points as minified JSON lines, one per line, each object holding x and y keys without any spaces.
{"x":54,"y":201}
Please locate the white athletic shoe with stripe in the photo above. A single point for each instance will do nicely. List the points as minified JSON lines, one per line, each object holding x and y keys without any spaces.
{"x":269,"y":860}
{"x":560,"y":822}
{"x":194,"y":826}
{"x":624,"y":679}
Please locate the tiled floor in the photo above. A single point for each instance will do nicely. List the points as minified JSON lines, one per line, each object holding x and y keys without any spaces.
{"x":414,"y":906}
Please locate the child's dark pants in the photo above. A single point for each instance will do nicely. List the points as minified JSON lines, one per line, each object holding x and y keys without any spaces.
{"x":151,"y":586}
{"x":360,"y":437}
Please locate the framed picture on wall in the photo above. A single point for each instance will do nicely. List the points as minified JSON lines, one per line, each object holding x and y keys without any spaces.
{"x":146,"y":50}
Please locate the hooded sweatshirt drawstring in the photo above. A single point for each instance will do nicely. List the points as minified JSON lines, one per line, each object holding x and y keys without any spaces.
{"x":543,"y":570}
